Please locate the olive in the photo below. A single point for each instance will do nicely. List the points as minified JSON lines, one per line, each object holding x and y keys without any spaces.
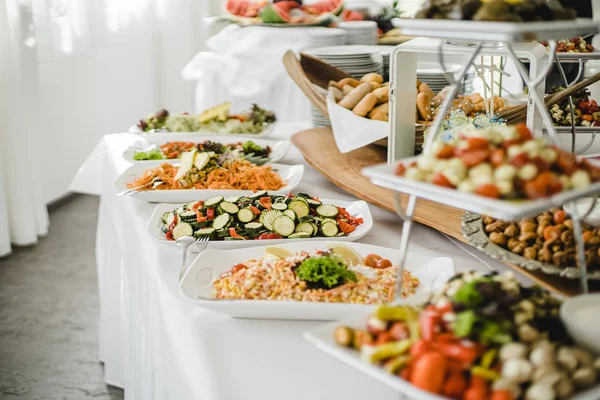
{"x":470,"y":8}
{"x":496,"y":10}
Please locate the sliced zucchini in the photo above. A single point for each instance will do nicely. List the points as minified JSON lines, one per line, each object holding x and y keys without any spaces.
{"x":233,"y":238}
{"x":305,"y":227}
{"x":180,"y":209}
{"x":190,"y":205}
{"x":315,"y":229}
{"x":222,"y":233}
{"x":233,"y":199}
{"x":327,"y":211}
{"x":164,"y":228}
{"x":209,"y":233}
{"x":182,"y":229}
{"x":290,"y":213}
{"x":222,"y":221}
{"x":299,"y":235}
{"x":254,"y":228}
{"x":328,"y":220}
{"x":279,"y":206}
{"x":307,"y":218}
{"x":313,"y":203}
{"x":245,"y":215}
{"x":300,"y":208}
{"x":267,"y":218}
{"x":330,"y":230}
{"x":188,"y":216}
{"x":284,"y":225}
{"x":200,"y":225}
{"x":317,"y":219}
{"x":170,"y":219}
{"x":165,"y":216}
{"x":259,"y":194}
{"x":304,"y":196}
{"x":213,"y":201}
{"x":228,"y":207}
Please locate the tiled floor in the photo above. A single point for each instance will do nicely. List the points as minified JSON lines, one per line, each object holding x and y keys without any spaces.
{"x":49,"y":312}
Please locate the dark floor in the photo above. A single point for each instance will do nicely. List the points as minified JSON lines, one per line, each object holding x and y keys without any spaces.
{"x":49,"y":312}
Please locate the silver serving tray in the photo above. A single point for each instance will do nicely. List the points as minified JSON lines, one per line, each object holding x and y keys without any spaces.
{"x":472,"y":229}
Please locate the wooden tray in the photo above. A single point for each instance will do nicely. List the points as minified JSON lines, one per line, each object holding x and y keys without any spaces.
{"x":319,"y":150}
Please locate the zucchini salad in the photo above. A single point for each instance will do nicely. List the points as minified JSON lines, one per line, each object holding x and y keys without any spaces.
{"x":257,"y":217}
{"x":334,"y":275}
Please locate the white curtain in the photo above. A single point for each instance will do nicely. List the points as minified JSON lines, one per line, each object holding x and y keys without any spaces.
{"x":73,"y":71}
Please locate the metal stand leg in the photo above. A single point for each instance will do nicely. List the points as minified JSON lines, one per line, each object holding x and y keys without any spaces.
{"x":407,"y":218}
{"x":581,"y":263}
{"x":531,"y":85}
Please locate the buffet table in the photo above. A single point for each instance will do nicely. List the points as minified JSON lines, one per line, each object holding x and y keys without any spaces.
{"x":156,"y":345}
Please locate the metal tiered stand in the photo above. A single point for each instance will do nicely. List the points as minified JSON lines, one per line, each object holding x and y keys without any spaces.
{"x":492,"y":37}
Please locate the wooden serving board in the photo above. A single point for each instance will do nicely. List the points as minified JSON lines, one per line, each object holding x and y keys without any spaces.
{"x":320,"y":151}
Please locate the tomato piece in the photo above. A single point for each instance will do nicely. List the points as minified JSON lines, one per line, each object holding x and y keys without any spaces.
{"x":476,"y":143}
{"x":519,"y":160}
{"x":382,"y":264}
{"x":346,"y":227}
{"x":169,"y":235}
{"x":446,"y":152}
{"x":566,"y":162}
{"x":488,"y":190}
{"x":587,"y":117}
{"x":175,"y":221}
{"x":268,"y":236}
{"x":383,"y":338}
{"x":419,"y":348}
{"x":371,"y":260}
{"x":440,"y":180}
{"x":559,"y":217}
{"x":455,"y":385}
{"x":234,"y":234}
{"x":457,"y":351}
{"x":539,"y":187}
{"x":399,"y":330}
{"x":523,"y":132}
{"x":210,"y":213}
{"x":198,"y":205}
{"x":429,"y":322}
{"x":501,"y":395}
{"x":265,"y":202}
{"x":400,"y":169}
{"x":497,"y":157}
{"x":472,"y":158}
{"x":428,"y":372}
{"x":237,"y":268}
{"x":255,"y":210}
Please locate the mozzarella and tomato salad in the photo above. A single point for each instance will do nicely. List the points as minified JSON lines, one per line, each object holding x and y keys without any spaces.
{"x":258,"y":217}
{"x":501,"y":163}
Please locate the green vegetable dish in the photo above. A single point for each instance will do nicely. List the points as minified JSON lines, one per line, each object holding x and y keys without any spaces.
{"x":217,"y":119}
{"x":258,"y":217}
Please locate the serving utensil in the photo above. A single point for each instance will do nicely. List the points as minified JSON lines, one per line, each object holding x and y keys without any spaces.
{"x":184,"y":242}
{"x":154,"y":182}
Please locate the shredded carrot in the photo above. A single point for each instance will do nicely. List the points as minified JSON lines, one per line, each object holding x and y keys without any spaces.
{"x":238,"y":175}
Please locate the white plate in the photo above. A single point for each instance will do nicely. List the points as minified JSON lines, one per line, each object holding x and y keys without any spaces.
{"x":383,"y":175}
{"x":278,"y":149}
{"x":197,"y":282}
{"x":495,"y":31}
{"x":358,"y":209}
{"x":164,"y":135}
{"x":292,"y":174}
{"x":323,"y":338}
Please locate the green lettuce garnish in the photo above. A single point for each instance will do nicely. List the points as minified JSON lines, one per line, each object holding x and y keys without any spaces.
{"x":155,"y":154}
{"x":325,"y":272}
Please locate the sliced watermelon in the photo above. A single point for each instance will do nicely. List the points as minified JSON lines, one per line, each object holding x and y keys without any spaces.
{"x":349,"y":15}
{"x":325,"y":6}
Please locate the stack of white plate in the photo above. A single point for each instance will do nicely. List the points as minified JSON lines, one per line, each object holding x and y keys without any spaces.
{"x":318,"y":119}
{"x":326,"y":37}
{"x":433,"y":75}
{"x":355,"y":60}
{"x":360,"y":32}
{"x":386,"y":52}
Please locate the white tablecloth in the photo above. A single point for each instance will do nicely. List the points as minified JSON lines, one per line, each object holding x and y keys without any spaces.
{"x":157,"y":345}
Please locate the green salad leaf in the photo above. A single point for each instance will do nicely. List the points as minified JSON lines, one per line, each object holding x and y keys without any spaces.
{"x":325,"y":272}
{"x":155,"y":154}
{"x":469,"y":295}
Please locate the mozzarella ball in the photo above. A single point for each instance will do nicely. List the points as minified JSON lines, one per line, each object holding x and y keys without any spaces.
{"x":505,"y":173}
{"x":528,"y":172}
{"x":580,"y":179}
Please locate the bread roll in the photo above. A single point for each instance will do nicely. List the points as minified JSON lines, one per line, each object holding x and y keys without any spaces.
{"x":418,"y":83}
{"x":334,"y":84}
{"x":382,"y":94}
{"x":373,"y":85}
{"x":385,"y":84}
{"x":379,"y":116}
{"x":347,"y":89}
{"x":337,"y":93}
{"x":365,"y":105}
{"x":372,"y":77}
{"x":423,"y":87}
{"x":424,"y":106}
{"x":384,"y":108}
{"x":355,"y":96}
{"x":349,"y":81}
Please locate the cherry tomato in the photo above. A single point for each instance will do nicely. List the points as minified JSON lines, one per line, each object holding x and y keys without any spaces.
{"x":497,"y":157}
{"x":566,"y":162}
{"x":446,"y":152}
{"x":501,"y":395}
{"x":519,"y":160}
{"x":400,"y":169}
{"x":587,"y":117}
{"x":371,"y":260}
{"x":455,"y":385}
{"x":472,"y":158}
{"x":559,"y":217}
{"x":488,"y":190}
{"x":429,"y":371}
{"x":539,"y":187}
{"x":238,"y":267}
{"x":381,"y":264}
{"x":475,"y":143}
{"x":523,"y":132}
{"x":267,"y":236}
{"x":440,"y":180}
